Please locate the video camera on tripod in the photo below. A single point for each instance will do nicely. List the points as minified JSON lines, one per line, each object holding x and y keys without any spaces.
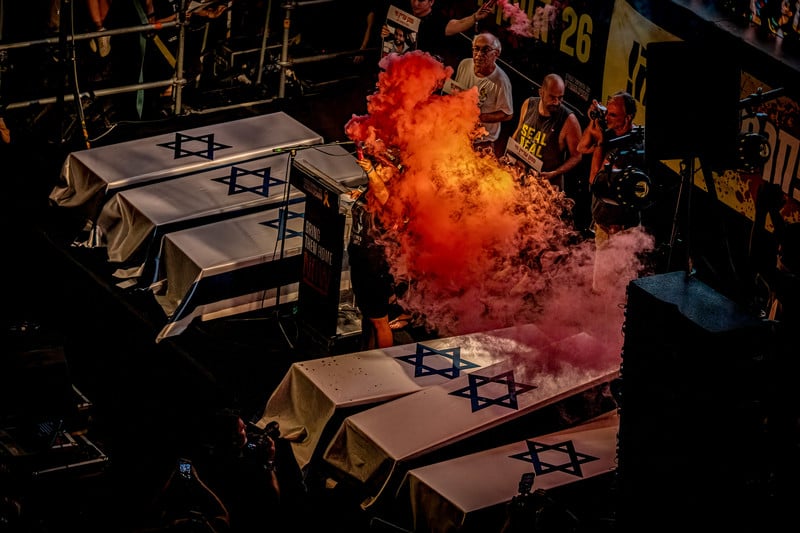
{"x":622,"y":180}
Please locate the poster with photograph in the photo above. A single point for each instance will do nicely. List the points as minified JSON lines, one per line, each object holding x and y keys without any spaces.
{"x":451,"y":86}
{"x":399,"y":32}
{"x":522,"y":156}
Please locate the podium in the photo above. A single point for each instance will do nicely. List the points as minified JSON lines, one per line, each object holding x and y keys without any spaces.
{"x":324,"y":282}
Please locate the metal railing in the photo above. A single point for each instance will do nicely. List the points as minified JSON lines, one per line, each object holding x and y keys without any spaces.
{"x":66,"y":44}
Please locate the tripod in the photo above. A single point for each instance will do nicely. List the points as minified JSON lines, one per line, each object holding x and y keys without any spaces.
{"x":752,"y":151}
{"x":684,"y":196}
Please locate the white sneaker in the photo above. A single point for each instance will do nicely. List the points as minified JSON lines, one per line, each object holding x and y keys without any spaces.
{"x":104,"y":45}
{"x":101,"y":45}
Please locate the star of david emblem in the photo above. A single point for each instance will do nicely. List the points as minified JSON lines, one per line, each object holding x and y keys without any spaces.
{"x":206,"y":143}
{"x":276,"y":223}
{"x":570,"y":465}
{"x":421,"y":369}
{"x":509,"y":399}
{"x":263,"y":179}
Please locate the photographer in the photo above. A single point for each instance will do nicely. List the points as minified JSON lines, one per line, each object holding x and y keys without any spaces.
{"x":241,"y":469}
{"x":615,"y":144}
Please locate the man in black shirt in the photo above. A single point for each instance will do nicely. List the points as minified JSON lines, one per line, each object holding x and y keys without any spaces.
{"x":434,"y":27}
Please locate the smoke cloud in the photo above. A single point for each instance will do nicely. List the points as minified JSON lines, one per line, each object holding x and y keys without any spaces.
{"x":480,"y":250}
{"x":518,"y":20}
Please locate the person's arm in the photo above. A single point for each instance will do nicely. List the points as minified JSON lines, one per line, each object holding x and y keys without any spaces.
{"x":366,"y":38}
{"x":367,"y":31}
{"x":455,"y":26}
{"x":503,"y":108}
{"x":5,"y":133}
{"x":598,"y":155}
{"x":522,"y":112}
{"x":494,"y":116}
{"x":270,"y":451}
{"x":592,"y":143}
{"x":263,"y":457}
{"x":376,"y":184}
{"x":591,"y":138}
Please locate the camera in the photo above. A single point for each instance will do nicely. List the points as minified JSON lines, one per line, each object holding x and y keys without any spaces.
{"x":599,"y":113}
{"x":256,"y":437}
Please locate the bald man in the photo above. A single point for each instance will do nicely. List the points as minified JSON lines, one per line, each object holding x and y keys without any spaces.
{"x":549,"y":131}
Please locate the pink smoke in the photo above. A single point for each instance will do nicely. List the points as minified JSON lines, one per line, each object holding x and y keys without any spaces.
{"x":520,"y":25}
{"x":480,"y":250}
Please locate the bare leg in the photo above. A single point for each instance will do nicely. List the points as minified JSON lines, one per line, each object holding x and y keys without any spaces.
{"x":98,"y":11}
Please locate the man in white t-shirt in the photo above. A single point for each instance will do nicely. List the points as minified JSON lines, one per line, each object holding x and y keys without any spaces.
{"x":494,"y":88}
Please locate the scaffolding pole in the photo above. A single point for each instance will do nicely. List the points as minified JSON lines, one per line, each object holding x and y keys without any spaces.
{"x":178,"y":82}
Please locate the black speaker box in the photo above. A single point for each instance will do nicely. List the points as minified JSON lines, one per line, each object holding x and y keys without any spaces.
{"x":692,"y":102}
{"x":692,"y":378}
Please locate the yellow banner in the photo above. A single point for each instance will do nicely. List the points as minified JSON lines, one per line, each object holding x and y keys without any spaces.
{"x":626,"y":56}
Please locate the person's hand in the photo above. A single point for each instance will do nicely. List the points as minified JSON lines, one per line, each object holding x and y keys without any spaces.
{"x":212,"y":12}
{"x":269,"y":449}
{"x":596,"y":125}
{"x":593,"y":109}
{"x":366,"y":164}
{"x":486,"y":9}
{"x":597,"y":115}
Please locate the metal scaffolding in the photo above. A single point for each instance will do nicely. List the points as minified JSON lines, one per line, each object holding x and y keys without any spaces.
{"x":65,"y":41}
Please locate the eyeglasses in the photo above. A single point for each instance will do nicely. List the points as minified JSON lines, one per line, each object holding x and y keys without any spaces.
{"x":482,"y":49}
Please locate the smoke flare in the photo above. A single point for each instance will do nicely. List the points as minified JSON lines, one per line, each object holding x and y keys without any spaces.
{"x":481,"y":251}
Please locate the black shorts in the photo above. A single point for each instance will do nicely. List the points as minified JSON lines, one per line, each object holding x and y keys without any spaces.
{"x":373,"y":284}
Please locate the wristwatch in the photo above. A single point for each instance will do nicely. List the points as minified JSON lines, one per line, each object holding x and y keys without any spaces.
{"x":269,"y":466}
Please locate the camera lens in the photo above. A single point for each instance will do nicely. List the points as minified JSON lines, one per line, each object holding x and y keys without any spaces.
{"x":599,"y":112}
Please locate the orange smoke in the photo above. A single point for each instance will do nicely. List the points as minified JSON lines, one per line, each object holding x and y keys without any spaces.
{"x":479,"y":250}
